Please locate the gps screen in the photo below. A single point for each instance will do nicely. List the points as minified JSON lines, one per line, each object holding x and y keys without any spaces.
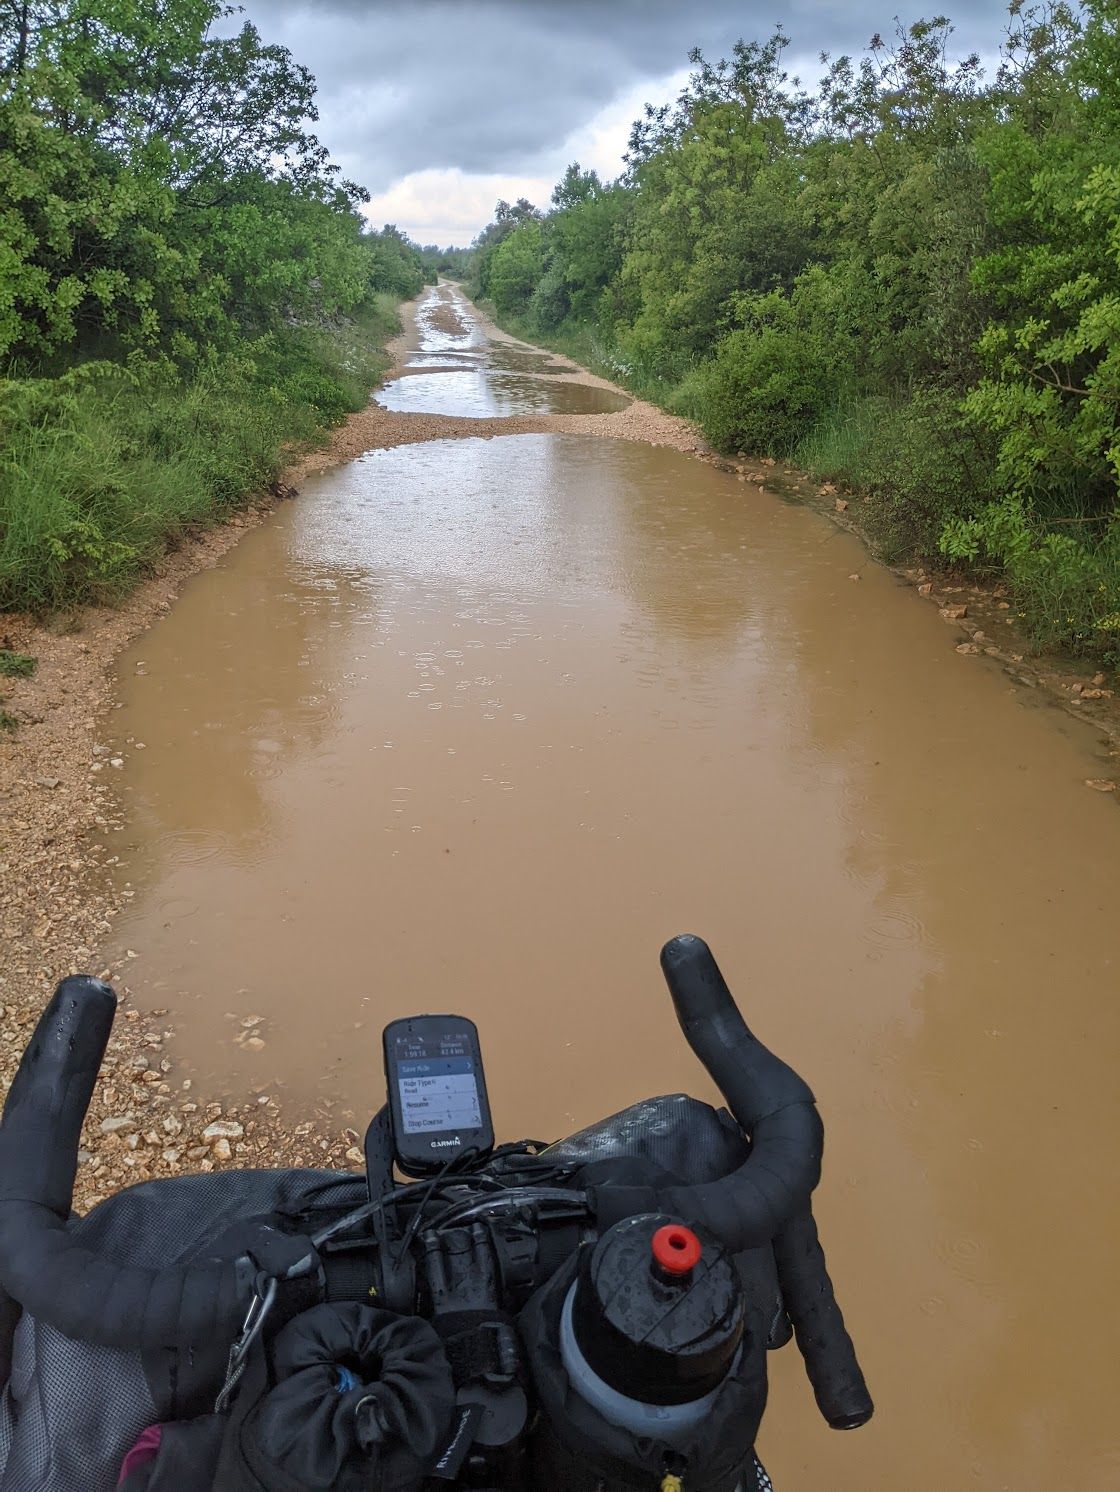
{"x":438,"y":1089}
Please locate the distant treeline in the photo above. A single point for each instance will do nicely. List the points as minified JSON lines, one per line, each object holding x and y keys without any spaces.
{"x":907,"y":279}
{"x":454,"y":264}
{"x":186,"y":283}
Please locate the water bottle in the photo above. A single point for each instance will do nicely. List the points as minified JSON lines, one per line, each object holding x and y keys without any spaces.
{"x":651,"y":1326}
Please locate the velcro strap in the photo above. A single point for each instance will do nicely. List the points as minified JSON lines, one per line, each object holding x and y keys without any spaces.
{"x":352,"y":1275}
{"x":481,"y":1347}
{"x":282,"y":1256}
{"x":291,"y":1260}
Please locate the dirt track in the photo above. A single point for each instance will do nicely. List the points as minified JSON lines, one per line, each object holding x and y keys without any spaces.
{"x":375,"y":428}
{"x":60,"y":813}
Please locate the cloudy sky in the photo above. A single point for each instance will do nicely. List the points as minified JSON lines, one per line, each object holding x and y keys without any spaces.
{"x":440,"y":107}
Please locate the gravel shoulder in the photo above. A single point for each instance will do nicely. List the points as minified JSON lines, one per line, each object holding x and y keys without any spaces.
{"x":59,"y":812}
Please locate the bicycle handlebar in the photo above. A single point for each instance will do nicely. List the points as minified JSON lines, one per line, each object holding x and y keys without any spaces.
{"x":42,"y":1266}
{"x":771,"y":1104}
{"x":84,"y":1296}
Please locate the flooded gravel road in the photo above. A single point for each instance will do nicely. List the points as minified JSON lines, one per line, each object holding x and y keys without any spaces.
{"x":477,"y":724}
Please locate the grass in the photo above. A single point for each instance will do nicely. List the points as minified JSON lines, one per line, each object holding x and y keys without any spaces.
{"x":13,"y":666}
{"x":835,"y":448}
{"x":16,"y":665}
{"x":103,"y":468}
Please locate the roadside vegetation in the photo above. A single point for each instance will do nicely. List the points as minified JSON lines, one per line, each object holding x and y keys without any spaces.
{"x":906,"y":279}
{"x":187,"y":287}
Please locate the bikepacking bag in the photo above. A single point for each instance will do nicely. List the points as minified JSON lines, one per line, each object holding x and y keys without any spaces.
{"x":70,"y":1411}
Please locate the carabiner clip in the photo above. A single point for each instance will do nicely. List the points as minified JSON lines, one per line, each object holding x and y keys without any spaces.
{"x":251,"y":1328}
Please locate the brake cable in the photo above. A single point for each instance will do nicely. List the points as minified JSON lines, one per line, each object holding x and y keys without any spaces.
{"x":514,"y":1196}
{"x":449,"y":1166}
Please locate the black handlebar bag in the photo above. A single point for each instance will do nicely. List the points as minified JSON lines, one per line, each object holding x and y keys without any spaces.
{"x":344,"y":1398}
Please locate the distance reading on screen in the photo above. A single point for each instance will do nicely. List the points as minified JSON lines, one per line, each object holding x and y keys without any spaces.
{"x":438,"y":1094}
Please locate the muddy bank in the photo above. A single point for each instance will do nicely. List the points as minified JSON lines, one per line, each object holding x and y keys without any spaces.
{"x":982,"y":614}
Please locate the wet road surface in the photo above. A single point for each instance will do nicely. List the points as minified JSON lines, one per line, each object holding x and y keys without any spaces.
{"x":477,"y":725}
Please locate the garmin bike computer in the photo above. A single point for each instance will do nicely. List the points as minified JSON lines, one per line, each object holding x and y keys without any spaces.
{"x":437,"y":1092}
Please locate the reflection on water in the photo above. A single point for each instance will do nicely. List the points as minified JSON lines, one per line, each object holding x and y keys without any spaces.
{"x":477,"y":725}
{"x":498,"y":357}
{"x":485,"y":394}
{"x":496,"y":375}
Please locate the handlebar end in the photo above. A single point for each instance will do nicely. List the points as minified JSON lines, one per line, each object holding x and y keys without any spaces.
{"x":50,"y":1093}
{"x":698,"y":988}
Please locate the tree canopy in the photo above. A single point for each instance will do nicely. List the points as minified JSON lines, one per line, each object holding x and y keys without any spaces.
{"x":161,"y":187}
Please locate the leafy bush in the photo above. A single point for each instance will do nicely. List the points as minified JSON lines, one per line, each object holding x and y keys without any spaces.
{"x":759,"y":393}
{"x":550,"y":303}
{"x":1069,"y":591}
{"x":922,"y":461}
{"x":769,"y":381}
{"x":1051,"y":390}
{"x":516,"y":268}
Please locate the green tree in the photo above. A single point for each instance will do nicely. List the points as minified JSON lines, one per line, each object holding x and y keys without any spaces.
{"x":136,"y":154}
{"x":516,"y":268}
{"x":507,"y":219}
{"x":717,"y":211}
{"x":186,"y":283}
{"x":1052,"y":392}
{"x":584,"y":241}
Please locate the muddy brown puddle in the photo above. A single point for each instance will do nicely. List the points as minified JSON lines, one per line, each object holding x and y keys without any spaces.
{"x":476,"y":725}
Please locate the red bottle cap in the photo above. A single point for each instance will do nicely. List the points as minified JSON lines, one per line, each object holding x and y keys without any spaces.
{"x":676,"y":1249}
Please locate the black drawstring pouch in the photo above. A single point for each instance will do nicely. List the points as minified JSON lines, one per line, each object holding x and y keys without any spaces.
{"x":342,"y":1399}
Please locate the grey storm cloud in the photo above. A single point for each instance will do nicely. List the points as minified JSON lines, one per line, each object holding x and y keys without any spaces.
{"x":496,"y":86}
